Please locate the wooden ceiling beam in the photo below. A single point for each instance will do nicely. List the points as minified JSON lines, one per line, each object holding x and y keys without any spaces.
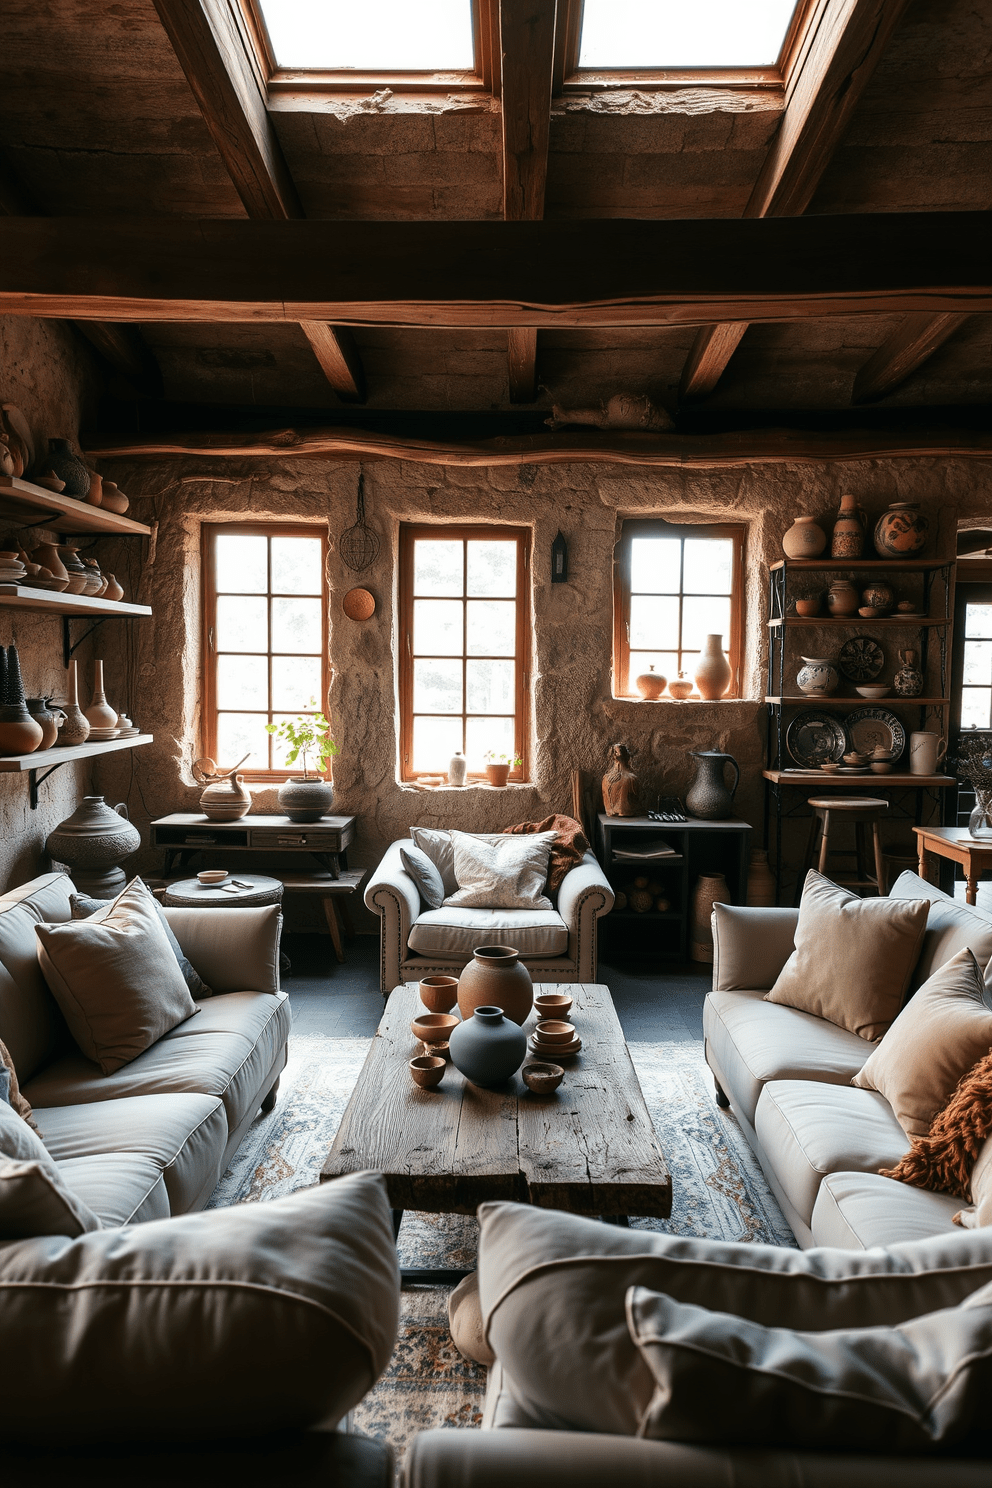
{"x":527,"y":48}
{"x":217,"y":56}
{"x":846,"y":41}
{"x":515,"y":275}
{"x":910,"y":345}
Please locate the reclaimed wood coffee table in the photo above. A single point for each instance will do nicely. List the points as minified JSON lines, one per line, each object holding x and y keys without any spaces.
{"x":589,"y":1148}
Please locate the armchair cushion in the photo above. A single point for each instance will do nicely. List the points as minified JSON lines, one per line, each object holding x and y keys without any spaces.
{"x":441,"y":850}
{"x":507,"y":874}
{"x":425,"y":876}
{"x":454,"y":933}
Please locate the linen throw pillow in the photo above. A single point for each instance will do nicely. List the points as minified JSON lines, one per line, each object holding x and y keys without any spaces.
{"x":34,"y":1198}
{"x":115,"y":978}
{"x":83,"y":907}
{"x":919,"y":1386}
{"x":430,"y":884}
{"x":853,"y":957}
{"x":934,"y":1042}
{"x":509,"y":873}
{"x":438,"y":846}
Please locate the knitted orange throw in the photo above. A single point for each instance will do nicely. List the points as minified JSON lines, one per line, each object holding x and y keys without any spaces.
{"x":566,"y":851}
{"x":944,"y":1158}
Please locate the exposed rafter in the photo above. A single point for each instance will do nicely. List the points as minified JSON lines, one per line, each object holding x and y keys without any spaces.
{"x":527,"y":41}
{"x":909,"y":346}
{"x":216,"y":55}
{"x":689,"y":271}
{"x":845,"y":44}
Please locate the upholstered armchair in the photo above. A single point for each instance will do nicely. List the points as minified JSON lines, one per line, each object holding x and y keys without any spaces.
{"x":556,"y":945}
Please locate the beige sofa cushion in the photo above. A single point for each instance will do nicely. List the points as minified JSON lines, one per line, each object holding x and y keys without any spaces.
{"x":231,"y":948}
{"x":121,"y":1188}
{"x":939,"y":1035}
{"x":951,"y":925}
{"x":454,"y":934}
{"x":862,"y":1211}
{"x":552,"y":1290}
{"x":34,"y":1199}
{"x":853,"y":958}
{"x":115,"y":978}
{"x":507,"y":874}
{"x":920,"y":1385}
{"x":31,"y":1024}
{"x":262,"y":1317}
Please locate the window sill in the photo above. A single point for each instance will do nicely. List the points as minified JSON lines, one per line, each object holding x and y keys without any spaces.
{"x":470,"y":785}
{"x":680,"y":702}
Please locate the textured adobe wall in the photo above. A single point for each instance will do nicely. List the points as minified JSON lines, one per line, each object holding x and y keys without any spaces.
{"x":574,"y":715}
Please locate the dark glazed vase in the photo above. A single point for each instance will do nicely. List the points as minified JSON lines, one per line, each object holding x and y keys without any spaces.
{"x":69,"y":468}
{"x":305,"y":800}
{"x":708,"y":798}
{"x":494,"y":977}
{"x":488,"y":1048}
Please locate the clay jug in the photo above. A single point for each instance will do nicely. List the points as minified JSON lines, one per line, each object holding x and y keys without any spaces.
{"x":848,"y":539}
{"x":760,"y":880}
{"x":708,"y":798}
{"x":48,"y":718}
{"x":47,"y":555}
{"x":842,"y":598}
{"x":113,"y":591}
{"x":19,"y":732}
{"x":495,"y":978}
{"x":487,"y":1048}
{"x":804,"y":539}
{"x":75,"y":727}
{"x":93,"y":842}
{"x":712,"y":674}
{"x":114,"y":499}
{"x":902,"y":531}
{"x":711,"y":888}
{"x":650,"y":684}
{"x":94,"y":496}
{"x":621,"y":794}
{"x":225,"y":798}
{"x":69,"y":468}
{"x":100,"y":715}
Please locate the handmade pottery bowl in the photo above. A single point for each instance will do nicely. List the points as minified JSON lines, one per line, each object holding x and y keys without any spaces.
{"x":873,"y":692}
{"x":207,"y":875}
{"x":554,"y":1031}
{"x":906,"y":607}
{"x":427,"y":1070}
{"x":807,"y":607}
{"x":831,"y":767}
{"x":542,"y":1078}
{"x":442,"y":1051}
{"x":880,"y":767}
{"x":439,"y":993}
{"x":553,"y":1005}
{"x":433,"y":1028}
{"x":869,"y":612}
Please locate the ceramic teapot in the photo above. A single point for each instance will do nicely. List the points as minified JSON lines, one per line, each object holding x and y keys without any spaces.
{"x":224,"y":797}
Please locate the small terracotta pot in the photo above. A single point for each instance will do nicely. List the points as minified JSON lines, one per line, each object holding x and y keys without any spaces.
{"x":427,"y":1071}
{"x":433,"y":1028}
{"x":542,"y":1078}
{"x":439,"y":993}
{"x":808,"y":607}
{"x":94,"y":496}
{"x":553,"y":1005}
{"x":114,"y":499}
{"x":497,"y":774}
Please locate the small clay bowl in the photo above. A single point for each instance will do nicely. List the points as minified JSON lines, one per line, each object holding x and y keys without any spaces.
{"x":880,"y":767}
{"x":212,"y":875}
{"x":906,"y":607}
{"x":433,"y":1028}
{"x":869,"y":612}
{"x":427,"y":1070}
{"x":553,"y":1005}
{"x":542,"y":1078}
{"x":554,"y":1031}
{"x":439,"y":993}
{"x":831,"y":767}
{"x":807,"y":607}
{"x":873,"y":692}
{"x":443,"y":1051}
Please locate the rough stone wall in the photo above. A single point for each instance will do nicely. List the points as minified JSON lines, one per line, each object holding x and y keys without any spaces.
{"x":574,"y":714}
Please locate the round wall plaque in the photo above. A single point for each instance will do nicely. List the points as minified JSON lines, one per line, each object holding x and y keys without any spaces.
{"x":358,"y":604}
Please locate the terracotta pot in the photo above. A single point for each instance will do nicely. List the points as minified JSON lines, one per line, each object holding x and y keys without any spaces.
{"x":681,"y":688}
{"x":879,"y":595}
{"x":100,"y":715}
{"x":488,"y":1047}
{"x":114,"y":499}
{"x":113,"y":591}
{"x":760,"y":880}
{"x":901,"y":531}
{"x":74,"y":570}
{"x":69,"y":468}
{"x":804,"y":539}
{"x":47,"y":555}
{"x":711,"y":888}
{"x":305,"y":799}
{"x":712,"y":673}
{"x":621,"y":793}
{"x":495,"y":977}
{"x":433,"y":1028}
{"x":93,"y":842}
{"x":650,"y":684}
{"x":439,"y":993}
{"x":19,"y":732}
{"x":848,"y":537}
{"x":808,"y":607}
{"x":817,"y":677}
{"x":427,"y":1071}
{"x":842,"y":598}
{"x":48,"y":718}
{"x":94,"y":496}
{"x":542,"y":1078}
{"x":226,"y":799}
{"x":708,"y":798}
{"x":498,"y":774}
{"x":75,"y":728}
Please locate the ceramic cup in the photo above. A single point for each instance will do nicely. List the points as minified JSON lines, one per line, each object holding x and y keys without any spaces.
{"x":427,"y":1071}
{"x":553,"y":1005}
{"x":439,"y":993}
{"x":925,"y":753}
{"x":542,"y":1078}
{"x":433,"y":1028}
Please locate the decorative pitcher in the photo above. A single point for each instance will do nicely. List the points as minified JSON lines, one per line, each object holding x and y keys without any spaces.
{"x":708,"y":798}
{"x":224,"y":797}
{"x":93,"y":842}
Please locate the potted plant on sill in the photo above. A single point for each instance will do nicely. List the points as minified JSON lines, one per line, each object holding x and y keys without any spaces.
{"x":306,"y":797}
{"x":498,"y":766}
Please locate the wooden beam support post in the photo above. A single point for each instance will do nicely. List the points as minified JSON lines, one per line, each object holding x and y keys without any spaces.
{"x":844,"y":45}
{"x":907,"y":348}
{"x":527,"y":44}
{"x":335,"y":349}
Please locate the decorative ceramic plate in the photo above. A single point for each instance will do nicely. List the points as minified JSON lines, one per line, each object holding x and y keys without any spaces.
{"x":869,"y":727}
{"x":860,"y":659}
{"x":815,"y":739}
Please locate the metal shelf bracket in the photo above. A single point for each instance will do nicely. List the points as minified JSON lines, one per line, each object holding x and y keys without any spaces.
{"x":36,"y":778}
{"x":69,"y":646}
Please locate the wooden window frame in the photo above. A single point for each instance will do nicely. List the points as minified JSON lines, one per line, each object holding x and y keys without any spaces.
{"x":660,"y":527}
{"x":412,"y":532}
{"x":208,"y":719}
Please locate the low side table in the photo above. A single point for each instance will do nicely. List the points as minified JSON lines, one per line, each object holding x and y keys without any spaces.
{"x":957,"y":844}
{"x":189,"y":893}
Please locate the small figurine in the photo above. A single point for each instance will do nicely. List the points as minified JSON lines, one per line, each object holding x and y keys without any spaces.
{"x":621,"y":795}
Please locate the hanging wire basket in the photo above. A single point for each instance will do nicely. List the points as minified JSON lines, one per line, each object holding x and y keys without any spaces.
{"x":359,"y":545}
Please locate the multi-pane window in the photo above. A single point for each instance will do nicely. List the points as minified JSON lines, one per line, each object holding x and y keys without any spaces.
{"x":667,"y":34}
{"x":265,"y":634}
{"x":976,"y":675}
{"x":463,"y":658}
{"x":674,"y":586}
{"x":376,"y":35}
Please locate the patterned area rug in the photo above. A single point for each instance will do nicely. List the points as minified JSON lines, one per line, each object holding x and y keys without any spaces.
{"x":719,"y":1191}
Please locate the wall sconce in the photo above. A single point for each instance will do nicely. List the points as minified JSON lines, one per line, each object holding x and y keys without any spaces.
{"x":559,"y":560}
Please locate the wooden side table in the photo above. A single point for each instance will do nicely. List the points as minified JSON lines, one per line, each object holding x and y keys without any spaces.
{"x":957,"y":844}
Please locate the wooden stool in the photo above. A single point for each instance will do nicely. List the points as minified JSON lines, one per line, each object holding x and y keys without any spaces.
{"x":828,"y":813}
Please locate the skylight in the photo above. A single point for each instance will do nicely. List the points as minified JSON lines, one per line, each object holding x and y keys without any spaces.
{"x":668,"y":34}
{"x":371,"y":35}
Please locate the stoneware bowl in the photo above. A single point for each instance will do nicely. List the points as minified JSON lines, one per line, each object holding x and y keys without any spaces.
{"x":807,"y":607}
{"x":868,"y":612}
{"x":427,"y":1070}
{"x":553,"y":1005}
{"x":439,"y":993}
{"x":880,"y":767}
{"x":873,"y":692}
{"x":542,"y":1078}
{"x":433,"y":1028}
{"x":554,"y":1031}
{"x":208,"y":875}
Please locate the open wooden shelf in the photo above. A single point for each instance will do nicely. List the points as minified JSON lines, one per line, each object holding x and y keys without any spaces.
{"x":859,"y":702}
{"x":915,"y":621}
{"x":20,"y":501}
{"x":834,"y":780}
{"x":862,"y":565}
{"x":23,"y":597}
{"x":42,"y":758}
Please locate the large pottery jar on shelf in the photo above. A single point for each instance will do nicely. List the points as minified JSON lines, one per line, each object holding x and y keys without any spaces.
{"x":305,"y":798}
{"x":494,"y":977}
{"x":902,"y":531}
{"x":19,"y":732}
{"x":69,"y":468}
{"x":817,"y":677}
{"x":842,"y":598}
{"x":712,"y":674}
{"x":93,"y":842}
{"x":487,"y":1048}
{"x":804,"y":539}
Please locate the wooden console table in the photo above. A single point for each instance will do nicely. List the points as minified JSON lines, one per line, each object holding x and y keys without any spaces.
{"x":957,"y":844}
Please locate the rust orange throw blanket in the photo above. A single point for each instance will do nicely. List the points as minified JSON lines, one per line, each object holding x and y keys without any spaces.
{"x":566,"y":852}
{"x":944,"y":1158}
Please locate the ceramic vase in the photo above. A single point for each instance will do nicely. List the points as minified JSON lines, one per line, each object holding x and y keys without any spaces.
{"x":47,"y":555}
{"x":760,"y":880}
{"x":708,"y":798}
{"x":901,"y":531}
{"x":75,"y":728}
{"x":908,"y":680}
{"x":804,"y":539}
{"x":848,"y":537}
{"x":113,"y":591}
{"x":49,"y":718}
{"x":69,"y":468}
{"x":74,"y":570}
{"x":712,"y":673}
{"x":711,"y":888}
{"x":681,"y":687}
{"x":487,"y":1048}
{"x":113,"y":498}
{"x":457,"y":768}
{"x":225,"y":798}
{"x":621,"y":793}
{"x":100,"y":715}
{"x":95,"y":582}
{"x":305,"y":799}
{"x":817,"y":677}
{"x":19,"y":732}
{"x":842,"y":598}
{"x":650,"y":684}
{"x":495,"y":978}
{"x":878,"y":595}
{"x":94,"y":496}
{"x":92,"y":843}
